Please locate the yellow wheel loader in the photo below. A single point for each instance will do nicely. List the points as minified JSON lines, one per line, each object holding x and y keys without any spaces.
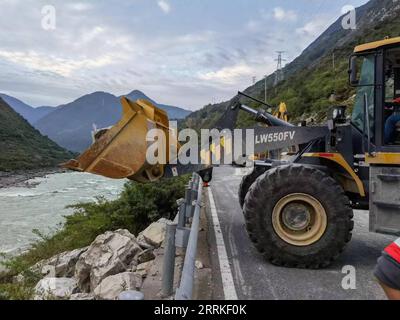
{"x":298,"y":212}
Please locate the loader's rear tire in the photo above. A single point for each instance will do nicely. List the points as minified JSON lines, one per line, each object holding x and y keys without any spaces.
{"x":297,"y":216}
{"x":247,"y":181}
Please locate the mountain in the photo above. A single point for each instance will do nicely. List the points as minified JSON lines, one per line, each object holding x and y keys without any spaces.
{"x":22,"y":146}
{"x":310,"y":78}
{"x":28,"y":112}
{"x":71,"y":124}
{"x":41,"y":112}
{"x":173,"y":112}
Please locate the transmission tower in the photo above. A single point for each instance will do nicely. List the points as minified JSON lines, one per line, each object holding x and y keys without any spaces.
{"x":279,"y":72}
{"x":265,"y":89}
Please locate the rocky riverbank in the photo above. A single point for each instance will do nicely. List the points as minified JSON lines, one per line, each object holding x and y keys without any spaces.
{"x":133,"y":207}
{"x":21,"y":178}
{"x":114,"y":262}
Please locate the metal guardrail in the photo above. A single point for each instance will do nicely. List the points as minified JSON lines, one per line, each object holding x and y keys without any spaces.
{"x":179,"y":235}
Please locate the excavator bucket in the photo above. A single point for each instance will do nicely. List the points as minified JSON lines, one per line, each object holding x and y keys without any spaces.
{"x":120,"y":151}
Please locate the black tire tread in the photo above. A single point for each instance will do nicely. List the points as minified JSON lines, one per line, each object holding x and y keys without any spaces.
{"x":325,"y":188}
{"x":246,"y":183}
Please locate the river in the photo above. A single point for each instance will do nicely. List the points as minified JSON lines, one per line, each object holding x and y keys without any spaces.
{"x":42,"y":207}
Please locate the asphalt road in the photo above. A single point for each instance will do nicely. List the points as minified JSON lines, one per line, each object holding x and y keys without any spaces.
{"x":254,"y":278}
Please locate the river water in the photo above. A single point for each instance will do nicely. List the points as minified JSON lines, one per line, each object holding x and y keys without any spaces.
{"x":42,"y":207}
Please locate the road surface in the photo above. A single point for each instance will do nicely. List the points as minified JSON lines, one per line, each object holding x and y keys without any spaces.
{"x":254,"y":278}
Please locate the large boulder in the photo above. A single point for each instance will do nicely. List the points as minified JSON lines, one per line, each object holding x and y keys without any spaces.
{"x":154,"y":234}
{"x":145,"y":256}
{"x":59,"y":266}
{"x":82,"y":296}
{"x":111,"y":253}
{"x":142,"y":270}
{"x":55,"y":288}
{"x":63,"y":264}
{"x":112,"y":286}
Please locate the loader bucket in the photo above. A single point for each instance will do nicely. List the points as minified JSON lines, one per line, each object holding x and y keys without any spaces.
{"x":120,"y":151}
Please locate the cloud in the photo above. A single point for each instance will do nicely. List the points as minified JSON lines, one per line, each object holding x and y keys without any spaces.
{"x":164,"y":5}
{"x":57,"y":65}
{"x":254,"y":25}
{"x":265,"y":17}
{"x":228,"y":75}
{"x":313,"y":28}
{"x":205,"y":58}
{"x":79,"y":6}
{"x":193,"y":38}
{"x":281,"y":15}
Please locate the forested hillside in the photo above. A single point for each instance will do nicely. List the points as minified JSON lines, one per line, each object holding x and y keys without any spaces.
{"x":23,"y":147}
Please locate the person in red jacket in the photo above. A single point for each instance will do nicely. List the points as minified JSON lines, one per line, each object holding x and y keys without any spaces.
{"x":388,"y":270}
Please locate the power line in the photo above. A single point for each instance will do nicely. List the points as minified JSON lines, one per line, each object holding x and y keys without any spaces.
{"x":279,"y":76}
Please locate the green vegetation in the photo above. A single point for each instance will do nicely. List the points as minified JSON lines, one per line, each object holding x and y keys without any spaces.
{"x":137,"y":207}
{"x":307,"y":92}
{"x":23,"y":147}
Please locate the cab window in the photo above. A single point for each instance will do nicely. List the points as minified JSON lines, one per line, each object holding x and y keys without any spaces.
{"x":391,"y":130}
{"x":366,"y":89}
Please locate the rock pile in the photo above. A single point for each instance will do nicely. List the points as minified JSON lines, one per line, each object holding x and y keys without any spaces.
{"x":113,"y":263}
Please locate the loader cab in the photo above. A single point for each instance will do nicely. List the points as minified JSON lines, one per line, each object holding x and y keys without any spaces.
{"x":375,"y":72}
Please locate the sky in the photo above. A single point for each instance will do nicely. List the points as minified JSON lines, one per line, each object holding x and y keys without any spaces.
{"x":186,"y":53}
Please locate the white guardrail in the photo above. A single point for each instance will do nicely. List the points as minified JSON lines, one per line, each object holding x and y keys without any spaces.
{"x":180,"y":235}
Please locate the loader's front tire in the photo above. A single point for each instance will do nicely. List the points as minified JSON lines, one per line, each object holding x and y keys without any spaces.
{"x":298,"y":216}
{"x":247,"y":181}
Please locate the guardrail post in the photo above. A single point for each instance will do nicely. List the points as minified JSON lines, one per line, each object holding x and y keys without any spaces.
{"x":185,"y":290}
{"x":182,"y":214}
{"x":189,"y":200}
{"x":169,"y":260}
{"x":195,"y":188}
{"x":182,"y":233}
